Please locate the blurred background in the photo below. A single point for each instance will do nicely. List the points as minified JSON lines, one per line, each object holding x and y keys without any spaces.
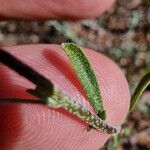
{"x":123,"y":34}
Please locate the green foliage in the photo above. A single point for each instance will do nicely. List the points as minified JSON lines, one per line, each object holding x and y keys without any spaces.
{"x":87,"y":77}
{"x":145,"y":81}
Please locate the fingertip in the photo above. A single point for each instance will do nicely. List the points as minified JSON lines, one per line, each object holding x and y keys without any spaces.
{"x":43,"y":127}
{"x":64,"y":9}
{"x":83,"y":9}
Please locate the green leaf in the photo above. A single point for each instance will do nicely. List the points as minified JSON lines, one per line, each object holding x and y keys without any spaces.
{"x":86,"y":76}
{"x":143,"y":84}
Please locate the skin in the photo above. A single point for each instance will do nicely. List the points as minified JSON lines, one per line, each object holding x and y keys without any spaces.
{"x":24,"y":126}
{"x":52,"y":9}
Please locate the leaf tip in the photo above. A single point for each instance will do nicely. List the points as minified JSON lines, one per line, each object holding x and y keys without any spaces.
{"x":65,"y":45}
{"x":102,"y":114}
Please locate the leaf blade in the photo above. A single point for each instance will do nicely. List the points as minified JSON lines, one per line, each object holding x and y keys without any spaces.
{"x":143,"y":84}
{"x":86,"y":75}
